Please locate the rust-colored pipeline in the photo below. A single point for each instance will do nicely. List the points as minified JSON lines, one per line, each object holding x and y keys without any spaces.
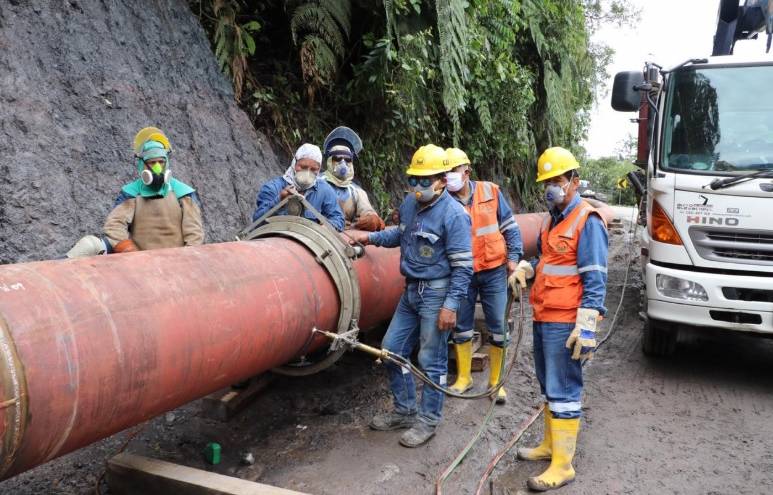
{"x":100,"y":344}
{"x":90,"y":347}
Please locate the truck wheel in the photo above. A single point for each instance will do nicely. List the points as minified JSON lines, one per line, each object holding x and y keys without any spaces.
{"x":659,"y":338}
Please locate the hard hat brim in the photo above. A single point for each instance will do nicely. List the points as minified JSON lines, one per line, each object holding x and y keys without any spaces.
{"x":555,"y":173}
{"x":424,"y":173}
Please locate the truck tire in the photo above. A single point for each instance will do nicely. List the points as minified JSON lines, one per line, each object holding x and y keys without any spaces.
{"x":659,"y":338}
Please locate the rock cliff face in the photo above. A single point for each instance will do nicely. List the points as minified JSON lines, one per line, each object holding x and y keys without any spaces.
{"x":78,"y":79}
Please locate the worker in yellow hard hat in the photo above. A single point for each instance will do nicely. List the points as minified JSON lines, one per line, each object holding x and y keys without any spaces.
{"x":155,"y":211}
{"x":436,"y":260}
{"x":570,"y":277}
{"x":496,"y":250}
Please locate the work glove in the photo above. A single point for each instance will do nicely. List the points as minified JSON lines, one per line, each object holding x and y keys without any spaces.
{"x":125,"y":246}
{"x":90,"y":245}
{"x":517,"y":280}
{"x":370,"y":222}
{"x":394,"y":217}
{"x":582,"y":340}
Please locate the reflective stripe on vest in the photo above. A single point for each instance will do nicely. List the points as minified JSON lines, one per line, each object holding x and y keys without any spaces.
{"x":489,"y":249}
{"x":557,"y":290}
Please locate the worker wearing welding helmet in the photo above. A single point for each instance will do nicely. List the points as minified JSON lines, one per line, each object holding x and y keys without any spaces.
{"x":155,"y":211}
{"x":570,"y":277}
{"x":340,"y":151}
{"x":496,"y":250}
{"x":436,"y":260}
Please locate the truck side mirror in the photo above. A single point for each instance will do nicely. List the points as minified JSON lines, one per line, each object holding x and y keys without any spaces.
{"x":625,"y":95}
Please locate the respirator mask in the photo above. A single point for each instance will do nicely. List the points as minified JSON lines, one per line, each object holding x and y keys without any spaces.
{"x":555,"y":194}
{"x":454,"y":181}
{"x":304,"y":179}
{"x":156,"y":175}
{"x":423,"y":188}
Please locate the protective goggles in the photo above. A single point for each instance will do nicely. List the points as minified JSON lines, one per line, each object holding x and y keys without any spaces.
{"x":413,"y":181}
{"x":342,"y":158}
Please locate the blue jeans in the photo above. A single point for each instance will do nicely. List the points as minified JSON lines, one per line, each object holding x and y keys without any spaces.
{"x":492,"y":287}
{"x":415,"y":322}
{"x":560,"y":376}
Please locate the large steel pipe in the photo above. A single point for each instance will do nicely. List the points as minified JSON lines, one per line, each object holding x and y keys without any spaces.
{"x":90,"y":347}
{"x":93,"y":346}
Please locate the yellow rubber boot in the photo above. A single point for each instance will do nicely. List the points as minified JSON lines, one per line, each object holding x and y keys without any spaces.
{"x":564,"y":438}
{"x":496,"y":355}
{"x":463,"y":381}
{"x":542,"y":451}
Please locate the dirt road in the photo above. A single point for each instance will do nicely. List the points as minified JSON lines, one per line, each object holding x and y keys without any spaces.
{"x":696,"y":423}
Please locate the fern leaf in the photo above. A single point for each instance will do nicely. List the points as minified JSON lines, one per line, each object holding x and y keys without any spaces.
{"x":318,"y":62}
{"x":312,"y":18}
{"x":452,"y":31}
{"x":341,"y":12}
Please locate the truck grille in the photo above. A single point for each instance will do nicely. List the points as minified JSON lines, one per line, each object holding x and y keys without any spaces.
{"x":744,"y":294}
{"x":754,"y":247}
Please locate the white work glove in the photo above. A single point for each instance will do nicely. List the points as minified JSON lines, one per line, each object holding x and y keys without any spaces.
{"x":517,"y":280}
{"x":583,"y":338}
{"x":90,"y":245}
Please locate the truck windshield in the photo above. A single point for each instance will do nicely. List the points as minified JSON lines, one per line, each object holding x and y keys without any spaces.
{"x":719,"y":120}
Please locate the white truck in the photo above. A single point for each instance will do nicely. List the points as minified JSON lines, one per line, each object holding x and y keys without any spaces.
{"x":706,"y":144}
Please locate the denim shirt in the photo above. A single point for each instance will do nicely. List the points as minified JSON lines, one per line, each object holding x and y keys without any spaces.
{"x":507,"y":225}
{"x":321,"y":196}
{"x":592,"y":249}
{"x":435,"y":242}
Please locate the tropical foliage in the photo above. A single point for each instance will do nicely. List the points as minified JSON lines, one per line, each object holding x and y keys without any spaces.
{"x":502,"y":79}
{"x":604,"y":175}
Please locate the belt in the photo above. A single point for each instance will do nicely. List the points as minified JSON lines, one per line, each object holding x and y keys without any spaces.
{"x":437,"y":283}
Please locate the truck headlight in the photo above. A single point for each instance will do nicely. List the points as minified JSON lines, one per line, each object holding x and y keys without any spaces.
{"x":679,"y":288}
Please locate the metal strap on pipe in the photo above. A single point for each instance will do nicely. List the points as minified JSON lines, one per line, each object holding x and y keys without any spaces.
{"x":336,"y":257}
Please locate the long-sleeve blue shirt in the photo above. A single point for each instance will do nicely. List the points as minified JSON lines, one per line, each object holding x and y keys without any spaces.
{"x":592,"y":250}
{"x":321,"y":196}
{"x":507,"y":225}
{"x":435,"y":242}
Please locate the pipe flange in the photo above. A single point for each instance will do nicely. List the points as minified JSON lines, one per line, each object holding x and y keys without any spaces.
{"x":336,"y":257}
{"x":13,"y":400}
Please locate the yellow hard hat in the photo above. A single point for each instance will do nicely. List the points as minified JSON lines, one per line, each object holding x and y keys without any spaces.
{"x":554,"y":162}
{"x":429,"y":160}
{"x":456,"y":157}
{"x":150,"y":134}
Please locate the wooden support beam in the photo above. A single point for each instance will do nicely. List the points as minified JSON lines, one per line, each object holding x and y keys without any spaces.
{"x":129,"y":474}
{"x":479,"y":361}
{"x":225,"y":404}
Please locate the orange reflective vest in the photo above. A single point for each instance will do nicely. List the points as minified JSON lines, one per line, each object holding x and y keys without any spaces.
{"x":489,"y":249}
{"x":557,"y":290}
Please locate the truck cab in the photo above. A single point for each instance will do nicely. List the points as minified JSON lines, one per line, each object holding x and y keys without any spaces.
{"x":706,"y":144}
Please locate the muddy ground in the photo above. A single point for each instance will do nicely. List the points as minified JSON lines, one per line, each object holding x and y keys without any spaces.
{"x":696,"y":423}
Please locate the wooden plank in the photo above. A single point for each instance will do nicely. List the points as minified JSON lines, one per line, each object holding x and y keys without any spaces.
{"x":225,"y":404}
{"x":129,"y":474}
{"x":479,"y":361}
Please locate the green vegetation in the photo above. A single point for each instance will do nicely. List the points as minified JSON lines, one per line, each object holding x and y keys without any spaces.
{"x":604,"y":174}
{"x":501,"y":79}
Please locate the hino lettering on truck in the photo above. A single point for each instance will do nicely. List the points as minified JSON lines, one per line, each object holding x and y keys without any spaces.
{"x":726,"y":221}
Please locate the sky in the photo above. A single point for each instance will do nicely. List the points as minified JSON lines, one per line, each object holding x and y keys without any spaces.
{"x":670,"y":32}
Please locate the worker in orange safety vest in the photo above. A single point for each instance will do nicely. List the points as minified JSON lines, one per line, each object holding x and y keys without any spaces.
{"x":496,"y":250}
{"x":568,"y":301}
